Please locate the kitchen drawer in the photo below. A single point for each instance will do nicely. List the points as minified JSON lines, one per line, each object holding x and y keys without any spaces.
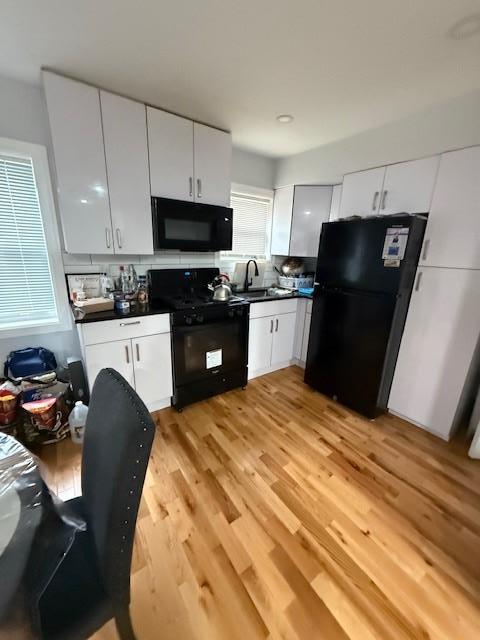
{"x":273,"y":308}
{"x":110,"y":330}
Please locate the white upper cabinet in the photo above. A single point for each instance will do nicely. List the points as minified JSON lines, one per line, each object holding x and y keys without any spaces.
{"x":282,"y":221}
{"x":335,"y":204}
{"x":298,"y":214}
{"x":76,"y":127}
{"x":437,"y":348}
{"x":212,"y":164}
{"x":361,"y":193}
{"x":311,"y":208}
{"x":452,"y":237}
{"x":408,"y":186}
{"x":170,"y":147}
{"x":126,"y":152}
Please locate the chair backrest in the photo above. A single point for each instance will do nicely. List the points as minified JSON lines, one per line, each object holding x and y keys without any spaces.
{"x":118,"y":440}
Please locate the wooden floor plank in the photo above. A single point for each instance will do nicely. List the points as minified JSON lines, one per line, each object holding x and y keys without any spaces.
{"x":274,"y":513}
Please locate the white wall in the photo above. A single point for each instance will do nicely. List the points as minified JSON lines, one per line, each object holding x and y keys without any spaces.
{"x":252,"y":169}
{"x":451,"y":125}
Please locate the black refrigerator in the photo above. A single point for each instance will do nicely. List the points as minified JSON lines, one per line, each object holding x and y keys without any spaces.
{"x":364,"y":279}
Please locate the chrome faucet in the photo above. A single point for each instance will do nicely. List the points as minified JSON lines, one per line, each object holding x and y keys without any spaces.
{"x":248,"y":283}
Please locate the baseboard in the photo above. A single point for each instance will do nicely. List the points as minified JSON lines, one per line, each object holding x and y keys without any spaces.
{"x":442,"y":436}
{"x":159,"y":404}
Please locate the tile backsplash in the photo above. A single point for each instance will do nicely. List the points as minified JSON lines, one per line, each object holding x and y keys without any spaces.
{"x":169,"y":260}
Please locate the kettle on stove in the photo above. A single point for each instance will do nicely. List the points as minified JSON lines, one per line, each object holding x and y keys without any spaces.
{"x":220,"y":287}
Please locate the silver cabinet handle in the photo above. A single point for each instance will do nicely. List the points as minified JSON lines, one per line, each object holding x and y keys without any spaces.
{"x":127,"y":324}
{"x":127,"y":355}
{"x":119,"y":239}
{"x":375,"y":198}
{"x":107,"y":237}
{"x":190,"y":186}
{"x":384,"y":197}
{"x":276,"y":325}
{"x":426,"y":244}
{"x":199,"y":188}
{"x":419,"y":279}
{"x":137,"y":349}
{"x":271,"y":326}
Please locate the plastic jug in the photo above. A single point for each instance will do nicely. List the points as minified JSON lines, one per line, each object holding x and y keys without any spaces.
{"x":77,"y":420}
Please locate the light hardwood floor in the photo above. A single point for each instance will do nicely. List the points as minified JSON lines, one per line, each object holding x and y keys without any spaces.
{"x":275,"y":513}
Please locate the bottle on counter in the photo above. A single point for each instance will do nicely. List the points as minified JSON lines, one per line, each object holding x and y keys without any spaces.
{"x":124,"y":280}
{"x":132,"y":278}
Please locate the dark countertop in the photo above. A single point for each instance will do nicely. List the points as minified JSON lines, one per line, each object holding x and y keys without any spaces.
{"x":149,"y":311}
{"x":137,"y":312}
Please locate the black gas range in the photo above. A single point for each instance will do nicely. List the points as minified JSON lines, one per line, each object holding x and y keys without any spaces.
{"x":209,"y":338}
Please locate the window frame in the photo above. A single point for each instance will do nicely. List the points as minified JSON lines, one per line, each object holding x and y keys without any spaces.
{"x":257,"y":192}
{"x":38,"y":155}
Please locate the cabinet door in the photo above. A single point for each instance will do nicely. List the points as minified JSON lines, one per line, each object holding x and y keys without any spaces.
{"x":306,"y":335}
{"x":408,"y":186}
{"x":452,"y":237}
{"x":438,"y":342}
{"x":283,"y":338}
{"x":311,"y":208}
{"x":213,"y":165}
{"x":126,"y":152}
{"x":361,"y":193}
{"x":76,"y":127}
{"x":117,"y":355}
{"x":299,"y":328}
{"x":153,"y":367}
{"x":335,"y":204}
{"x":282,"y":221}
{"x":170,"y":149}
{"x":260,"y":336}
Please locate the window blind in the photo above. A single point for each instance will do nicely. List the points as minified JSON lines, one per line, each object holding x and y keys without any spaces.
{"x":26,"y":289}
{"x":251,"y":218}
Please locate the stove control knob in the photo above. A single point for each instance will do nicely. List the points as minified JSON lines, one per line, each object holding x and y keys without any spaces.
{"x":231,"y":313}
{"x":199,"y":319}
{"x":239,"y":312}
{"x":188,"y":319}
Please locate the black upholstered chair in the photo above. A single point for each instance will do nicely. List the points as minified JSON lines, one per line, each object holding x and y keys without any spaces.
{"x":92,"y":582}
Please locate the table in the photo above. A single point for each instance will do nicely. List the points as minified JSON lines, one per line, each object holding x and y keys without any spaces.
{"x":20,"y":514}
{"x":36,"y":530}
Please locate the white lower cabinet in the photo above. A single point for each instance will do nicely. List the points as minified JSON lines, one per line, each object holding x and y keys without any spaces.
{"x":152,"y":357}
{"x":438,"y":343}
{"x":306,"y":335}
{"x":283,"y":338}
{"x":116,"y":355}
{"x":271,"y":336}
{"x":142,"y":357}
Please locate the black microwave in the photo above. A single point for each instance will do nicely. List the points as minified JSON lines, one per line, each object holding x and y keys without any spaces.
{"x":191,"y":226}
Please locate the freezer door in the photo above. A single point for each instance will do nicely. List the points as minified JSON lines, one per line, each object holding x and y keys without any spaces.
{"x":351,"y":253}
{"x":349,"y":336}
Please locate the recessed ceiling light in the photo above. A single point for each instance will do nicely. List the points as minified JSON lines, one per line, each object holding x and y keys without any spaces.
{"x":466,"y":27}
{"x":285,"y":118}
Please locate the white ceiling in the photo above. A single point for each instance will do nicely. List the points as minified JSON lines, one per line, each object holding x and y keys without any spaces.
{"x":339,"y":66}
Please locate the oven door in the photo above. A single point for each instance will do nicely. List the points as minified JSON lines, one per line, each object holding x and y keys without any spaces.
{"x":210,"y":349}
{"x":190,"y":226}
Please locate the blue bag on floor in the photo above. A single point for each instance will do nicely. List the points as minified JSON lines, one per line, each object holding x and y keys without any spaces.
{"x":31,"y":361}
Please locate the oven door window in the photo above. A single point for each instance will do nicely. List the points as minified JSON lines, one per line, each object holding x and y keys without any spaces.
{"x":208,"y":350}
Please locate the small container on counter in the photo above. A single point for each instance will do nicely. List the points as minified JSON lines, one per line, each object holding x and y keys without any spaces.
{"x":122,"y":306}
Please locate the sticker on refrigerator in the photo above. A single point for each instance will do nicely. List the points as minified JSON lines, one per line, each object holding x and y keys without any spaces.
{"x":391,"y":262}
{"x":214,"y":358}
{"x":395,"y":243}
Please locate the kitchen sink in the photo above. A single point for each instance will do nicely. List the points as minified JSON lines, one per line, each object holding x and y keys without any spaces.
{"x":254,"y":293}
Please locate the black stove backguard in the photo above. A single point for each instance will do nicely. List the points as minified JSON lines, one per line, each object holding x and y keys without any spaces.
{"x":168,"y":285}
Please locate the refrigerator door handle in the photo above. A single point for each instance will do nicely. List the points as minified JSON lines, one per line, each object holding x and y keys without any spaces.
{"x":419,"y":280}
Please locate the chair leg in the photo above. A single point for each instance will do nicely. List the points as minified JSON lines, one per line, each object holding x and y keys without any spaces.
{"x":123,"y":622}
